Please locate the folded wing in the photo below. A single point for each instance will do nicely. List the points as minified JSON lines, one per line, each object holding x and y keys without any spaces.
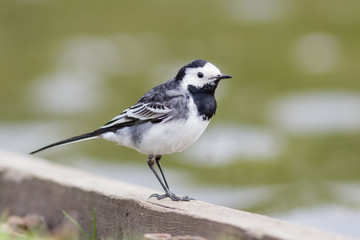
{"x":139,"y":113}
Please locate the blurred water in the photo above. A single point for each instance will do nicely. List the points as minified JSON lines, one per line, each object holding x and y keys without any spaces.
{"x":335,"y":218}
{"x":257,"y":11}
{"x":317,"y":52}
{"x":318,"y":112}
{"x":226,"y":143}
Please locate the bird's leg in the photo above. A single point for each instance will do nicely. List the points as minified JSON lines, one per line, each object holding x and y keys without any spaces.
{"x":168,"y":193}
{"x":150,"y":162}
{"x":157,"y":160}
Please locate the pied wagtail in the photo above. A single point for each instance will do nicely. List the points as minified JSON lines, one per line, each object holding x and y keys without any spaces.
{"x":167,"y":119}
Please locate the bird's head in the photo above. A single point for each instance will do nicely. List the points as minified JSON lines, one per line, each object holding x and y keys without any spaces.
{"x":200,"y":73}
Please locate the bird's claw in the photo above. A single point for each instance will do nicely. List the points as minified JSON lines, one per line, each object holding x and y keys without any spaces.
{"x":171,"y":196}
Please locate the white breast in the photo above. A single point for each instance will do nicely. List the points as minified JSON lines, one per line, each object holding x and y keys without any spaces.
{"x":172,"y":136}
{"x":164,"y":138}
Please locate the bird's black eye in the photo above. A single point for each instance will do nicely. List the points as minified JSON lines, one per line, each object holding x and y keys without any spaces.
{"x":200,"y":74}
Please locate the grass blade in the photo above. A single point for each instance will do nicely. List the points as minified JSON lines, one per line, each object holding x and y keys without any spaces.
{"x":94,"y":223}
{"x":74,"y":222}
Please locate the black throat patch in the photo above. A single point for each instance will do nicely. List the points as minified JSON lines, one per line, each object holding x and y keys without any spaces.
{"x":204,"y":99}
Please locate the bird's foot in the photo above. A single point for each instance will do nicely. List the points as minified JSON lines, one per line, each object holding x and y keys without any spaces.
{"x":172,"y":197}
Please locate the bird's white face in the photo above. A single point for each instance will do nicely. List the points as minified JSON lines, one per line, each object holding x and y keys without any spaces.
{"x":200,"y":76}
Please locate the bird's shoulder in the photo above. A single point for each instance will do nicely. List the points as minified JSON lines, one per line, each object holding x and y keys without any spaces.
{"x":163,"y":93}
{"x":159,"y":104}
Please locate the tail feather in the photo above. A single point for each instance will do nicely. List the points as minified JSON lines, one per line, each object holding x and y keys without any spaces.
{"x":79,"y":138}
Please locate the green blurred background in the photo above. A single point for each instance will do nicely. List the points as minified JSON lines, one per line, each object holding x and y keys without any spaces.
{"x":286,"y":137}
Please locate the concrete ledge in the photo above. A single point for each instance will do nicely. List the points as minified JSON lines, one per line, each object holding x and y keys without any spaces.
{"x":30,"y":185}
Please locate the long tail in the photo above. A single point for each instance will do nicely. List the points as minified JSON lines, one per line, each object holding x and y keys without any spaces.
{"x":79,"y":138}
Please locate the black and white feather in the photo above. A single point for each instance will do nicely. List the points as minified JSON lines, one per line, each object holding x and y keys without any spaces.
{"x":168,"y":118}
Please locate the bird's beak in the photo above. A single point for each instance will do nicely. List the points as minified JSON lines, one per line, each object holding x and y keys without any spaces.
{"x":223,"y":76}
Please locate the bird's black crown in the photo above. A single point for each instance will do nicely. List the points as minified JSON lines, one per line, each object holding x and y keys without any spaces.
{"x":194,"y":64}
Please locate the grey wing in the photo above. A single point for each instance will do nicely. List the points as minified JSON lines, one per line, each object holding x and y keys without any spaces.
{"x":139,"y":113}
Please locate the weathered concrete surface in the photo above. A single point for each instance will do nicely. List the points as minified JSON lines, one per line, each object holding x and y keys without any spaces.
{"x":29,"y":185}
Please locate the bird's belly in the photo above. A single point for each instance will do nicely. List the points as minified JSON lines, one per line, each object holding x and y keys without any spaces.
{"x":172,"y":136}
{"x":159,"y":138}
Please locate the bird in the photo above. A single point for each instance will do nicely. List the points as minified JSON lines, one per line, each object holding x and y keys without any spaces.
{"x":167,"y":119}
